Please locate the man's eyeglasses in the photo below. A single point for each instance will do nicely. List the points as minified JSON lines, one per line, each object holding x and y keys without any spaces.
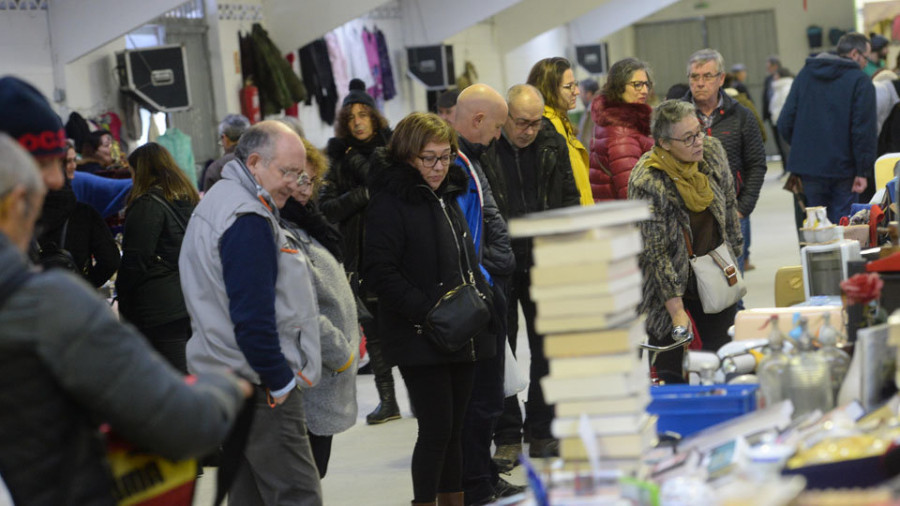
{"x":690,"y":139}
{"x":292,"y":175}
{"x":570,"y":87}
{"x":524,"y":124}
{"x":429,"y":161}
{"x":704,"y":77}
{"x":640,"y":85}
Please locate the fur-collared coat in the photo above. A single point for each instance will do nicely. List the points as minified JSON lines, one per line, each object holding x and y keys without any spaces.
{"x":621,"y":136}
{"x":664,"y":260}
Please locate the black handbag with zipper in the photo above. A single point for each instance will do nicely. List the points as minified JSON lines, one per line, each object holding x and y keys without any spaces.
{"x":463,"y":312}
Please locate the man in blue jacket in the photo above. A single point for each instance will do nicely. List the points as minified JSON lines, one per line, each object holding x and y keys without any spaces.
{"x":829,"y":121}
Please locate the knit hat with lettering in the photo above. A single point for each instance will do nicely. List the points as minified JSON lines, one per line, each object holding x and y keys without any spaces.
{"x":28,"y":117}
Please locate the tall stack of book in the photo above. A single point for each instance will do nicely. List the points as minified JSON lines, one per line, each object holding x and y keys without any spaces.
{"x":586,"y":285}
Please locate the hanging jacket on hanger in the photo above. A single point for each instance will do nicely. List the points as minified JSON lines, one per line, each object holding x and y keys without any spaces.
{"x":387,"y":73}
{"x":338,"y":65}
{"x":315,"y":68}
{"x":371,"y":47}
{"x":279,"y":86}
{"x":179,"y":145}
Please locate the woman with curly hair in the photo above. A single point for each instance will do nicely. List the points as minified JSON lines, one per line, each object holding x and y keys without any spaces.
{"x":359,"y":130}
{"x":556,"y":82}
{"x":622,"y":133}
{"x":149,"y":284}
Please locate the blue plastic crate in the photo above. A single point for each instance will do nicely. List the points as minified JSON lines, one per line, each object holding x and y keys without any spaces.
{"x":686,"y":409}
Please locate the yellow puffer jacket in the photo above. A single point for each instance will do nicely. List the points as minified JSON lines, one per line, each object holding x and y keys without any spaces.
{"x":578,"y":156}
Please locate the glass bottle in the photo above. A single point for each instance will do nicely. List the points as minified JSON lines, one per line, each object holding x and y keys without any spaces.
{"x":773,"y":366}
{"x":808,"y":376}
{"x":837,"y":359}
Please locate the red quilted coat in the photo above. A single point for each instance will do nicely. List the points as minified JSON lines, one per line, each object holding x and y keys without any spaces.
{"x":621,"y":136}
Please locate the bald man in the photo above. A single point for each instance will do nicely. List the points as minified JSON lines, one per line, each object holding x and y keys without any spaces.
{"x":480,"y":116}
{"x":529,"y":171}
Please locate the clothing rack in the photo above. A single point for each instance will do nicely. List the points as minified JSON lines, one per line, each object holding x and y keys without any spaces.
{"x":391,"y":11}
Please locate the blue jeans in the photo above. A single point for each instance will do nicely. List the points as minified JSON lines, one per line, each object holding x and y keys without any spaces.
{"x":745,"y":232}
{"x":833,"y":193}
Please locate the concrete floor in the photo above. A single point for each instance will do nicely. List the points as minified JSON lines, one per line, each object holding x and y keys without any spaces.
{"x":370,"y":464}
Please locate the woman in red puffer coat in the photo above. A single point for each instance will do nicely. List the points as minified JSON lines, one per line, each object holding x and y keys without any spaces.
{"x":622,"y":133}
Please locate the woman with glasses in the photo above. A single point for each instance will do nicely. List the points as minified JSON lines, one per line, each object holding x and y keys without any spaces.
{"x":417,"y":243}
{"x":330,"y":406}
{"x":685,"y":178}
{"x":554,"y":78}
{"x":359,"y":130}
{"x":622,"y":132}
{"x":149,"y":283}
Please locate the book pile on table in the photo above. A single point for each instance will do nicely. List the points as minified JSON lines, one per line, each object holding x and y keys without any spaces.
{"x":586,"y":284}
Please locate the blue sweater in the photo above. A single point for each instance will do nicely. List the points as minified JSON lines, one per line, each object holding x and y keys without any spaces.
{"x":250,"y":269}
{"x":829,"y":120}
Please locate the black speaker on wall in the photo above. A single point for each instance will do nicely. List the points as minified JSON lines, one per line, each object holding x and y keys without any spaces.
{"x":156,"y":76}
{"x":432,"y":66}
{"x":593,"y":57}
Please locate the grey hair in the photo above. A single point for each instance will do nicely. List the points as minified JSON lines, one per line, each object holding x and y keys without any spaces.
{"x":704,"y":55}
{"x":850,"y":41}
{"x":260,"y":139}
{"x":233,"y":125}
{"x":17,"y":168}
{"x":667,"y":114}
{"x":294,"y":124}
{"x":517,"y":90}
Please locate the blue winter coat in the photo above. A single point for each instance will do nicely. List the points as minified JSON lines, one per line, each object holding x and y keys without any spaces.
{"x":829,"y":120}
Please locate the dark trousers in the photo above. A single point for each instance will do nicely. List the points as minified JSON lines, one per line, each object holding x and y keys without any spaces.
{"x":170,"y":340}
{"x":712,"y":329}
{"x":321,"y":450}
{"x":439,"y":394}
{"x":485,"y":406}
{"x":277,"y":466}
{"x":538,"y":414}
{"x":834,"y":193}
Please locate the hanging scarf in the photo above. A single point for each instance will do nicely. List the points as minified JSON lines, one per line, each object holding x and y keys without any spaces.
{"x":692,"y":184}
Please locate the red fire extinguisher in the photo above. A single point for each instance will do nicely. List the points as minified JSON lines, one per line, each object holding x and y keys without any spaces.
{"x":250,"y":103}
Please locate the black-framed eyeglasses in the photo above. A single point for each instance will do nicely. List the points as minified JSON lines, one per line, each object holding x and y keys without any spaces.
{"x":524,"y":124}
{"x":704,"y":77}
{"x":429,"y":161}
{"x":640,"y":85}
{"x":690,"y":139}
{"x":571,"y":86}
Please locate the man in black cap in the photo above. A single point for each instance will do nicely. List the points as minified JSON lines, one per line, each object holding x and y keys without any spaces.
{"x":877,"y":55}
{"x":28,"y":118}
{"x":446,"y":105}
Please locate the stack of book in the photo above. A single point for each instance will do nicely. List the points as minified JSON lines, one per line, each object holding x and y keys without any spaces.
{"x":586,"y":284}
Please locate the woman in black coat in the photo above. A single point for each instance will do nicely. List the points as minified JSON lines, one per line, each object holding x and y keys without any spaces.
{"x":414,"y":232}
{"x":359,"y":130}
{"x":149,"y":285}
{"x":77,"y":228}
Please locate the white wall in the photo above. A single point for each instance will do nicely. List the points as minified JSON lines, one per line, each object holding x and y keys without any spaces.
{"x":519,"y":61}
{"x":25,"y":45}
{"x":791,"y":20}
{"x":92,"y":86}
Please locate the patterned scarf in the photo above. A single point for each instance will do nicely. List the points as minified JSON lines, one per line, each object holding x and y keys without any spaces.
{"x":692,"y":184}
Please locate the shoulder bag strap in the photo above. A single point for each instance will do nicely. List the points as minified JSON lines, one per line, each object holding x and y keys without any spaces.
{"x":687,"y":240}
{"x":169,"y":209}
{"x":65,"y":232}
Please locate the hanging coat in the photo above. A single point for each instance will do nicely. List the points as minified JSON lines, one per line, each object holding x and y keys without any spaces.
{"x":315,"y":68}
{"x":279,"y":86}
{"x":387,"y":73}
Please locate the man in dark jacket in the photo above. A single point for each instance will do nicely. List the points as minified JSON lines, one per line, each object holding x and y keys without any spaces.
{"x":66,"y":363}
{"x":480,"y":113}
{"x":230,"y":130}
{"x":529,"y":172}
{"x":735,"y":126}
{"x":829,"y":121}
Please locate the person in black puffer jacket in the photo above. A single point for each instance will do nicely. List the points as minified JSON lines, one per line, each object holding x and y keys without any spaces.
{"x":74,"y":236}
{"x":359,"y":130}
{"x":148,"y":284}
{"x":414,"y":227}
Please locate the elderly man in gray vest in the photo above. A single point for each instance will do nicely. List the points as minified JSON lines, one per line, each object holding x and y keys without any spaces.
{"x":253,"y":310}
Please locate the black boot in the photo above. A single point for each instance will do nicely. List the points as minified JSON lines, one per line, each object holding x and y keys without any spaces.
{"x":387,"y":408}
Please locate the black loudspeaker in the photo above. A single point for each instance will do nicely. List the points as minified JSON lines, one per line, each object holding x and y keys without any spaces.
{"x":156,"y":77}
{"x":432,"y":66}
{"x":594,"y":58}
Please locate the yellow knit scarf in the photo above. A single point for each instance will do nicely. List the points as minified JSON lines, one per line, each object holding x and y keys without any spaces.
{"x":692,"y":184}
